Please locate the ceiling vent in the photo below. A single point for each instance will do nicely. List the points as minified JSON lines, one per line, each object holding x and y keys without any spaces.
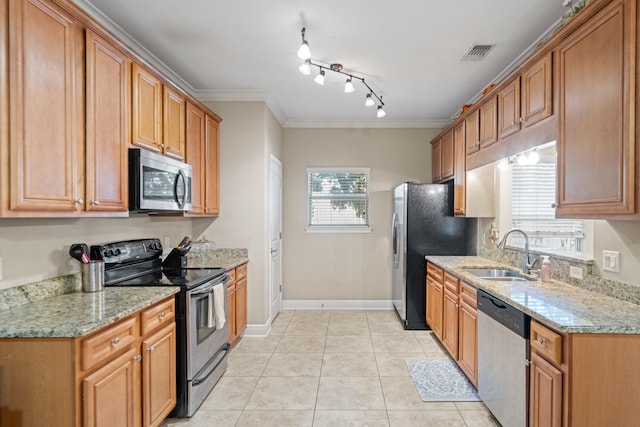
{"x":477,"y":52}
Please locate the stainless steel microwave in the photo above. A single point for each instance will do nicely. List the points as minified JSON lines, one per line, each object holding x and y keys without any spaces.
{"x":158,"y":183}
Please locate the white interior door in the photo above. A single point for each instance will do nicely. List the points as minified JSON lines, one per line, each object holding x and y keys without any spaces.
{"x":275,"y":214}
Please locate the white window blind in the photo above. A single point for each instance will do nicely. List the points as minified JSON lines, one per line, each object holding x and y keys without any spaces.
{"x":338,"y":197}
{"x":533,"y":195}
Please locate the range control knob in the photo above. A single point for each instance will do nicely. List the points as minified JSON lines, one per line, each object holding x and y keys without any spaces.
{"x":117,"y":251}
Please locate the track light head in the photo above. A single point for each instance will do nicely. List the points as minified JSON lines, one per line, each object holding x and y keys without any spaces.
{"x":368,"y":101}
{"x":348,"y":86}
{"x":305,"y":68}
{"x":304,"y":52}
{"x":380,"y":113}
{"x":320,"y":77}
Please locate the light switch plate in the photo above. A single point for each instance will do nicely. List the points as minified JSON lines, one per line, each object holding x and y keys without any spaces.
{"x":611,"y":261}
{"x":576,"y":272}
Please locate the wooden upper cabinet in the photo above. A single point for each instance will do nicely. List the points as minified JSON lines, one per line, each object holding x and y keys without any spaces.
{"x":509,"y":108}
{"x":146,"y":111}
{"x":212,"y":167}
{"x":459,"y":174}
{"x":446,"y":159}
{"x":174,"y":108}
{"x":108,"y":77}
{"x":537,"y":94}
{"x":436,"y":160}
{"x":472,"y":132}
{"x":46,"y":104}
{"x":488,"y":122}
{"x":196,"y":156}
{"x":596,"y":138}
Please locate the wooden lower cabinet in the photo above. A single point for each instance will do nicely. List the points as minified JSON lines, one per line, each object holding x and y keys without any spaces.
{"x":545,"y":393}
{"x":104,"y":379}
{"x":435,"y":295}
{"x":450,"y":314}
{"x":468,"y":332}
{"x":237,"y":302}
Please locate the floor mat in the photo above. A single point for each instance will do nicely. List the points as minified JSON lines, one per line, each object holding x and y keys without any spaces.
{"x":440,"y":380}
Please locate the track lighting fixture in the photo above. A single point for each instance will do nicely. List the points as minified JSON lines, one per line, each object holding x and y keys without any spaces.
{"x":305,"y":53}
{"x":348,"y":86}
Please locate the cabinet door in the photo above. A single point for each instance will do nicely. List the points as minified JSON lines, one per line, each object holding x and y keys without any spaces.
{"x":459,"y":174}
{"x":468,"y":341}
{"x":472,"y":132}
{"x":509,"y":109}
{"x":241,"y":306}
{"x":450,"y":323}
{"x":231,"y":313}
{"x":488,"y":122}
{"x":596,"y":140}
{"x":545,"y":393}
{"x":173,"y":120}
{"x":107,"y":139}
{"x":446,"y":163}
{"x":146,"y":109}
{"x":111,"y":394}
{"x":46,"y":100}
{"x":537,"y":95}
{"x":196,"y":156}
{"x":436,"y":160}
{"x":435,"y":295}
{"x":158,"y":376}
{"x":212,"y":167}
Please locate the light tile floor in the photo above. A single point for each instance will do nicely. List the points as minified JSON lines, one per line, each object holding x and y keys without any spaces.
{"x":334,"y":369}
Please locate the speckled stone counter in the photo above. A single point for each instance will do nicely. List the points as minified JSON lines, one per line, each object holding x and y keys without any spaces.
{"x":559,"y":305}
{"x":224,"y":258}
{"x":78,"y":313}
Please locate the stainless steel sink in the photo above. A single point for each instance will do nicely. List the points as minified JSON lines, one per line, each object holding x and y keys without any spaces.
{"x":497,"y":274}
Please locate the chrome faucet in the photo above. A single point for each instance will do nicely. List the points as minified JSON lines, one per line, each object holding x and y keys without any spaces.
{"x":526,"y":267}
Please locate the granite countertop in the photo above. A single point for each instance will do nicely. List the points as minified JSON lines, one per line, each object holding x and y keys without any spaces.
{"x":78,"y":313}
{"x":561,"y":306}
{"x":214,"y":258}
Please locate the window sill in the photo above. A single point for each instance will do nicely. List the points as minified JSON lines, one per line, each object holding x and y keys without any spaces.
{"x":338,"y":230}
{"x":557,"y":253}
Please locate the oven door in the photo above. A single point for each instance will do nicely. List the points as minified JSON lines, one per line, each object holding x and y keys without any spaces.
{"x":204,"y":337}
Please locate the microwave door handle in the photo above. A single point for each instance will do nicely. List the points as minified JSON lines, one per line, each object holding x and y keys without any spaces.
{"x":180,"y":177}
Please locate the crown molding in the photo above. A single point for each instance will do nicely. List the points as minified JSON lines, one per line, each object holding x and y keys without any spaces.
{"x":373,"y":124}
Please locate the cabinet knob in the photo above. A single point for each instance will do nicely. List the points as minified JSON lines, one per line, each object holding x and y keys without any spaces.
{"x":161,"y":145}
{"x":521,"y":120}
{"x":541,"y":340}
{"x":513,"y":123}
{"x":115,"y":341}
{"x":137,"y":358}
{"x":150,"y":349}
{"x":162,"y":315}
{"x":95,"y":202}
{"x":553,"y":205}
{"x":78,"y":201}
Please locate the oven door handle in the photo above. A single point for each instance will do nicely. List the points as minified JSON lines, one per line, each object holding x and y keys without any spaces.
{"x":209,"y":288}
{"x":225,"y":348}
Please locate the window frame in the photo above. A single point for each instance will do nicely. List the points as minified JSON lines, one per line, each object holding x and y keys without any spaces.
{"x":339,"y":228}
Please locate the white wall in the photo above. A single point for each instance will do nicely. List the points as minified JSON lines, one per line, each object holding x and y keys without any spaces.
{"x":346,"y":266}
{"x":249,"y":133}
{"x":621,"y":236}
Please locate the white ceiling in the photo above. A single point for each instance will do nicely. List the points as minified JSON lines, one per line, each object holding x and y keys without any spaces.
{"x":409,"y":51}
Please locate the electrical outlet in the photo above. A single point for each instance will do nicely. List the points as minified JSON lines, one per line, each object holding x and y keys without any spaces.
{"x":576,"y":272}
{"x":611,"y":261}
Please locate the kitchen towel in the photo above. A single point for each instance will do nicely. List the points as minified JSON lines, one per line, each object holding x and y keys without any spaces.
{"x":440,"y":380}
{"x":211,"y":320}
{"x":219,"y":293}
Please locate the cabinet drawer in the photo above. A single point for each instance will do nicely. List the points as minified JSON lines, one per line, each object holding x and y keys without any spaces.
{"x":162,"y":313}
{"x":546,"y":342}
{"x":241,"y":271}
{"x":232,"y":277}
{"x":108,"y":342}
{"x":435,"y":272}
{"x":451,"y":283}
{"x":469,"y":294}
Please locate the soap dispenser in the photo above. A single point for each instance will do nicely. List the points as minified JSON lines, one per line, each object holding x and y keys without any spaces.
{"x":545,"y":270}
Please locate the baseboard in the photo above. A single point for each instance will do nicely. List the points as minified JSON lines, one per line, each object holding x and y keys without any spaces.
{"x":337,"y":305}
{"x":258,"y":330}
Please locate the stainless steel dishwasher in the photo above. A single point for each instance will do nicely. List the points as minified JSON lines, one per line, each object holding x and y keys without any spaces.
{"x":503,"y":368}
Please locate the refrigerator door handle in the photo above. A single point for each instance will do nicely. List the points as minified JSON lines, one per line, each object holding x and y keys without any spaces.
{"x":394,"y":233}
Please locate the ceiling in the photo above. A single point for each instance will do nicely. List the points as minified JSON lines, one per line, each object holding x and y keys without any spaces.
{"x":408,"y":51}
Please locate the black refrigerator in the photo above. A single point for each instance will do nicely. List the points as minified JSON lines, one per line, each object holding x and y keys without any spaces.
{"x":423,"y":224}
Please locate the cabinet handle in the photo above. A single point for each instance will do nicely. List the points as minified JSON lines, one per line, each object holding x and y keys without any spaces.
{"x":521,"y":120}
{"x":150,"y":349}
{"x":541,"y":340}
{"x":78,"y":201}
{"x":513,"y":123}
{"x":162,"y":315}
{"x":161,"y":145}
{"x":115,"y":341}
{"x":95,"y":202}
{"x":137,"y":358}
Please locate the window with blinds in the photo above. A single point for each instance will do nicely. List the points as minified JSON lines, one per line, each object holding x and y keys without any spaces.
{"x":533,"y":194}
{"x":338,"y":197}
